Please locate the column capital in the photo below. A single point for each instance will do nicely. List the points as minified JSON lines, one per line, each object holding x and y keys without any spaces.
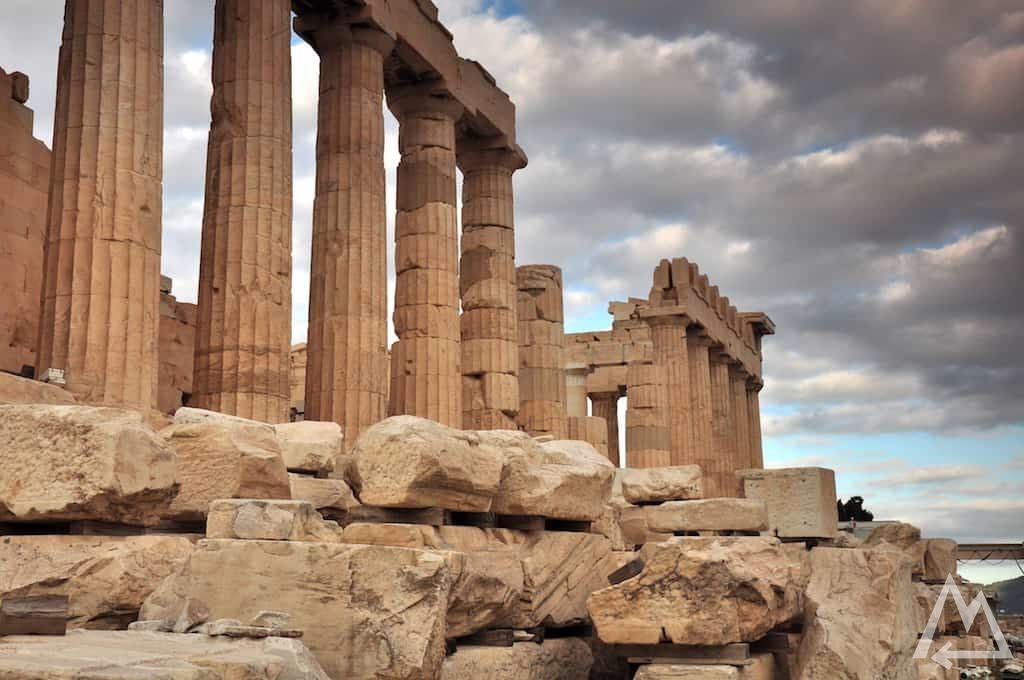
{"x":670,"y":319}
{"x":430,"y":97}
{"x":325,"y":34}
{"x":616,"y":395}
{"x":475,"y":154}
{"x":755,"y":384}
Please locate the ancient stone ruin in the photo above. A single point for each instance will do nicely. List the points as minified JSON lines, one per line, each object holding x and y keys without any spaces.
{"x":185,"y":496}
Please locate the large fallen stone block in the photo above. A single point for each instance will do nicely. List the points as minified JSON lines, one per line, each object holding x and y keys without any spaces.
{"x":105,"y":579}
{"x":702,"y":591}
{"x":187,"y":415}
{"x":939,"y":561}
{"x":801,"y":501}
{"x":262,"y":520}
{"x":558,"y":479}
{"x":82,"y":463}
{"x":310,"y":446}
{"x":367,"y":611}
{"x":901,"y":538}
{"x":409,"y":462}
{"x":488,"y":585}
{"x":712,"y":514}
{"x":510,"y":579}
{"x":17,"y":390}
{"x":561,"y":571}
{"x":323,"y":494}
{"x":556,"y":659}
{"x":761,"y":667}
{"x":656,"y":485}
{"x":859,"y":620}
{"x":686,"y":672}
{"x":116,"y":655}
{"x":221,"y":458}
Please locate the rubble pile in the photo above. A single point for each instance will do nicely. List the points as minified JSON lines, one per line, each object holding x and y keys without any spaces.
{"x":424,"y":552}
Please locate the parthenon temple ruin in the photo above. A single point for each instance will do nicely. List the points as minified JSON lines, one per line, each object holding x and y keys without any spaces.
{"x":186,"y":495}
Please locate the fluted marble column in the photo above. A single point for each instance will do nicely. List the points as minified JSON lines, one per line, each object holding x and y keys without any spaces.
{"x":702,"y":444}
{"x":647,"y":435}
{"x":426,"y":362}
{"x":738,"y":381}
{"x":542,"y":384}
{"x":346,"y":374}
{"x":606,"y":405}
{"x":719,"y":479}
{"x":487,"y":284}
{"x":672,"y":357}
{"x":243,"y":331}
{"x":101,"y":289}
{"x":754,"y":414}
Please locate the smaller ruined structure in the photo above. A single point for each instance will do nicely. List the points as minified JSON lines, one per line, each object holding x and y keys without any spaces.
{"x":690,"y":366}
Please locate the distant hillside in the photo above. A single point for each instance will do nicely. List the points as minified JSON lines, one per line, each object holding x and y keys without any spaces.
{"x":1011,"y":595}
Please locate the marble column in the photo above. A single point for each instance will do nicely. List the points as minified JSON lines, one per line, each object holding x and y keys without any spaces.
{"x":346,"y":374}
{"x":576,"y":390}
{"x":754,"y":413}
{"x":702,"y":444}
{"x":243,"y":331}
{"x":101,"y":288}
{"x":606,"y":405}
{"x":426,"y":362}
{"x":542,"y":383}
{"x":719,"y":480}
{"x":487,"y":284}
{"x":672,"y":357}
{"x":738,"y":382}
{"x":647,"y":436}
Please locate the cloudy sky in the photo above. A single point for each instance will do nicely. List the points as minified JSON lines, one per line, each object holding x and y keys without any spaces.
{"x":854,"y":169}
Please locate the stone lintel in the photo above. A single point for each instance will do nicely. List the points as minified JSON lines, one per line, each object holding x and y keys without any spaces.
{"x":424,"y":51}
{"x":720,"y":332}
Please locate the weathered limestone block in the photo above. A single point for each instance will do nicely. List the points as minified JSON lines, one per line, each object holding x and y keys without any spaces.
{"x":261,"y":520}
{"x":367,"y":611}
{"x":712,"y":514}
{"x":187,"y":415}
{"x":16,"y":390}
{"x":409,"y":462}
{"x":511,"y":579}
{"x":82,"y":462}
{"x":633,"y":521}
{"x":939,"y":559}
{"x":309,"y":446}
{"x":558,"y":479}
{"x":680,"y":672}
{"x":859,"y":617}
{"x":486,"y":585}
{"x":556,"y":659}
{"x":224,"y":459}
{"x":900,"y":538}
{"x":104,"y":578}
{"x":702,"y":591}
{"x":762,"y":667}
{"x":562,"y":570}
{"x":928,"y":669}
{"x":120,"y":655}
{"x":655,"y":485}
{"x":333,"y":494}
{"x":801,"y":501}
